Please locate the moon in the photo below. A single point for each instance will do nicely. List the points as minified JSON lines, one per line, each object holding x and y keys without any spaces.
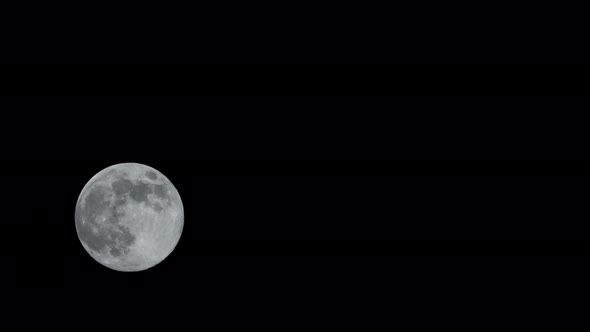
{"x":129,"y":217}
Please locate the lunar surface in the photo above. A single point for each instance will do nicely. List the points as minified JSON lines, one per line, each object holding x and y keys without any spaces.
{"x":129,"y":217}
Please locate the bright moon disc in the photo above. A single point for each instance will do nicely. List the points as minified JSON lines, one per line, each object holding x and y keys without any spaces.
{"x":129,"y":217}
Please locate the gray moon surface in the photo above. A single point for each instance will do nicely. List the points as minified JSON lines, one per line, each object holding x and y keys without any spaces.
{"x":129,"y":217}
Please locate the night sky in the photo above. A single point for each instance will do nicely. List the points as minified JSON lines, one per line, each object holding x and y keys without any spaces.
{"x":361,"y":165}
{"x":290,"y":194}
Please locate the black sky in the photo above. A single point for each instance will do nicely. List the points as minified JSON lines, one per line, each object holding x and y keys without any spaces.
{"x":339,"y":164}
{"x":292,"y":196}
{"x":277,"y":176}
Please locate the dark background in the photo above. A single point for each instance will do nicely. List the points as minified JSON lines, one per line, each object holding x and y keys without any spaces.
{"x":338,"y":164}
{"x":280,"y":33}
{"x":291,"y":191}
{"x":412,"y":171}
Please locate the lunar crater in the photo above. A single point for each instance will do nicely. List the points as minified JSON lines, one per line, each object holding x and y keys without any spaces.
{"x":125,"y":214}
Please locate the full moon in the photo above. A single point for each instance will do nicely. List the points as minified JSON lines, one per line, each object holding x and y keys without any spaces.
{"x":129,"y":217}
